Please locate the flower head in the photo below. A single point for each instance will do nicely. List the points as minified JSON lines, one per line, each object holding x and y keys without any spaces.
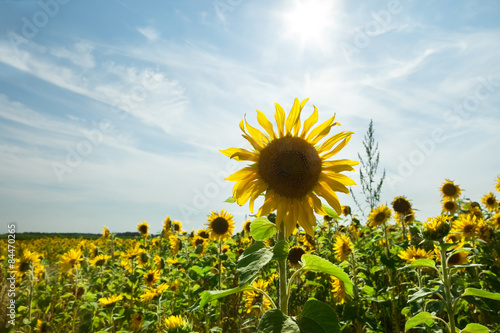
{"x":466,"y":226}
{"x":70,"y":260}
{"x":450,"y":191}
{"x":220,"y":225}
{"x":255,"y":300}
{"x":379,"y":216}
{"x":343,"y":247}
{"x":412,"y":253}
{"x":110,"y":301}
{"x":338,"y":288}
{"x":143,"y":228}
{"x":291,"y":167}
{"x":401,"y":205}
{"x":490,"y":201}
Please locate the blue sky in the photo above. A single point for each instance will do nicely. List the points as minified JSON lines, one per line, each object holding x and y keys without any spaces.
{"x":113,"y":112}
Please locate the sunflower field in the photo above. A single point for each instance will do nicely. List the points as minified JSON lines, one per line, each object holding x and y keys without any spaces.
{"x":299,"y":265}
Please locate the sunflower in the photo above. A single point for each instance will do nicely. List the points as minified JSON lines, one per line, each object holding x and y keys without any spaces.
{"x":220,"y":225}
{"x":143,"y":228}
{"x":379,"y":216}
{"x":151,"y":277}
{"x":177,"y":324}
{"x":152,"y":293}
{"x":346,"y":210}
{"x":292,"y":168}
{"x":338,"y":288}
{"x":159,"y":262}
{"x":70,"y":260}
{"x":450,"y":191}
{"x":458,"y":259}
{"x":497,"y":185}
{"x":177,"y":227}
{"x":203,"y":233}
{"x":39,"y":272}
{"x":27,"y":261}
{"x":490,"y":201}
{"x":401,"y":205}
{"x":105,"y":233}
{"x":110,"y":301}
{"x":412,"y":253}
{"x":41,"y":326}
{"x":167,"y":227}
{"x":143,"y":258}
{"x":99,"y":260}
{"x":466,"y":226}
{"x":450,"y":207}
{"x":246,"y":226}
{"x":436,"y":228}
{"x":483,"y":231}
{"x":136,"y":321}
{"x":255,"y":301}
{"x":294,"y":256}
{"x":175,"y":244}
{"x":343,"y":247}
{"x":495,"y":220}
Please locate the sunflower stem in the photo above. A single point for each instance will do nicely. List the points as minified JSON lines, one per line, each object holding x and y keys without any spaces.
{"x":447,"y":284}
{"x":283,"y":288}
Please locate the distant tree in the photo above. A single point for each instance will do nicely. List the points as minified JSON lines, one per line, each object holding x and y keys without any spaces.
{"x":370,"y":188}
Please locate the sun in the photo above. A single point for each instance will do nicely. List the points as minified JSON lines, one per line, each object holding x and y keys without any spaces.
{"x":309,"y":20}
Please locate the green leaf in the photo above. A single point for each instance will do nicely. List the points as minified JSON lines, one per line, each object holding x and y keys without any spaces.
{"x":330,"y":211}
{"x":423,"y":263}
{"x":481,"y":293}
{"x":424,"y":292}
{"x":275,"y":321}
{"x":261,"y":229}
{"x":212,"y":295}
{"x":280,"y":250}
{"x":475,"y":328}
{"x":230,"y":200}
{"x":318,"y":317}
{"x":420,"y":318}
{"x":252,"y":260}
{"x":315,"y":263}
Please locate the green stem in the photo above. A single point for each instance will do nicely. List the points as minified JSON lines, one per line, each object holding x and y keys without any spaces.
{"x":266,"y":295}
{"x":283,"y":292}
{"x":447,"y":284}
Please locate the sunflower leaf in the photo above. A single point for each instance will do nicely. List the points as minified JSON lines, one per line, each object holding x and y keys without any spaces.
{"x":318,"y":317}
{"x":420,"y":318}
{"x":275,"y":321}
{"x":423,"y":263}
{"x":481,"y":293}
{"x":315,"y":263}
{"x":252,"y":260}
{"x":261,"y":229}
{"x":280,"y":250}
{"x":212,"y":295}
{"x":475,"y":328}
{"x":230,"y":200}
{"x":330,"y":211}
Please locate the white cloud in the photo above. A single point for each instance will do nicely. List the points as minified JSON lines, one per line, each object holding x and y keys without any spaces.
{"x":150,"y":33}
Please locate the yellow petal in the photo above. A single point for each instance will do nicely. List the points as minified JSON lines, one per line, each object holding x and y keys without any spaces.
{"x":241,"y":174}
{"x":240,"y":154}
{"x":279,"y":115}
{"x":266,"y":124}
{"x":329,"y":195}
{"x":337,"y":149}
{"x":328,"y":144}
{"x":320,"y":128}
{"x":313,"y":118}
{"x":256,"y":134}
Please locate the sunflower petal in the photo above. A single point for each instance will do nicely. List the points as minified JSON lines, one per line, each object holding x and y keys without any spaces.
{"x":328,"y":144}
{"x":242,"y":173}
{"x":320,"y":128}
{"x":313,"y":118}
{"x":337,"y":149}
{"x":240,"y":154}
{"x":256,"y":133}
{"x":279,"y":115}
{"x":266,"y":124}
{"x":329,"y":195}
{"x":291,"y":120}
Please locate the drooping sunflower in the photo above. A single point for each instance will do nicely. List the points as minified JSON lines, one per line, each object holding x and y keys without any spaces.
{"x":175,"y":244}
{"x":346,"y":210}
{"x":255,"y":301}
{"x":338,"y":289}
{"x":379,"y":216}
{"x":450,"y":191}
{"x":450,"y":206}
{"x":291,"y":167}
{"x":70,"y":260}
{"x":136,"y":320}
{"x":143,"y":228}
{"x":220,"y":225}
{"x":295,"y":255}
{"x":436,"y":228}
{"x":343,"y":247}
{"x":159,"y":262}
{"x":246,"y":226}
{"x":412,"y":253}
{"x":167,"y":227}
{"x":401,"y":205}
{"x":466,"y":226}
{"x":110,"y":301}
{"x":490,"y":201}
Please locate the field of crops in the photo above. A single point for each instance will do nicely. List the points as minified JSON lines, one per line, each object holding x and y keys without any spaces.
{"x":155,"y":284}
{"x":285,"y":271}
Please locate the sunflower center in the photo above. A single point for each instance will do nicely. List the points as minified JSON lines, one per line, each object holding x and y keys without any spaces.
{"x":380,"y":217}
{"x":220,"y":225}
{"x":143,"y":229}
{"x":295,"y":255}
{"x":449,"y":205}
{"x":490,"y":201}
{"x":450,"y":190}
{"x":401,"y":205}
{"x":468,"y":229}
{"x":290,"y":166}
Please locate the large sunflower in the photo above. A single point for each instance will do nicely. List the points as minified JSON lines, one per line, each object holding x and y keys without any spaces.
{"x":291,"y":167}
{"x":220,"y":225}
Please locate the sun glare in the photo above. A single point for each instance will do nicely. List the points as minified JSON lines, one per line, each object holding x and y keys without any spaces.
{"x":309,"y":20}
